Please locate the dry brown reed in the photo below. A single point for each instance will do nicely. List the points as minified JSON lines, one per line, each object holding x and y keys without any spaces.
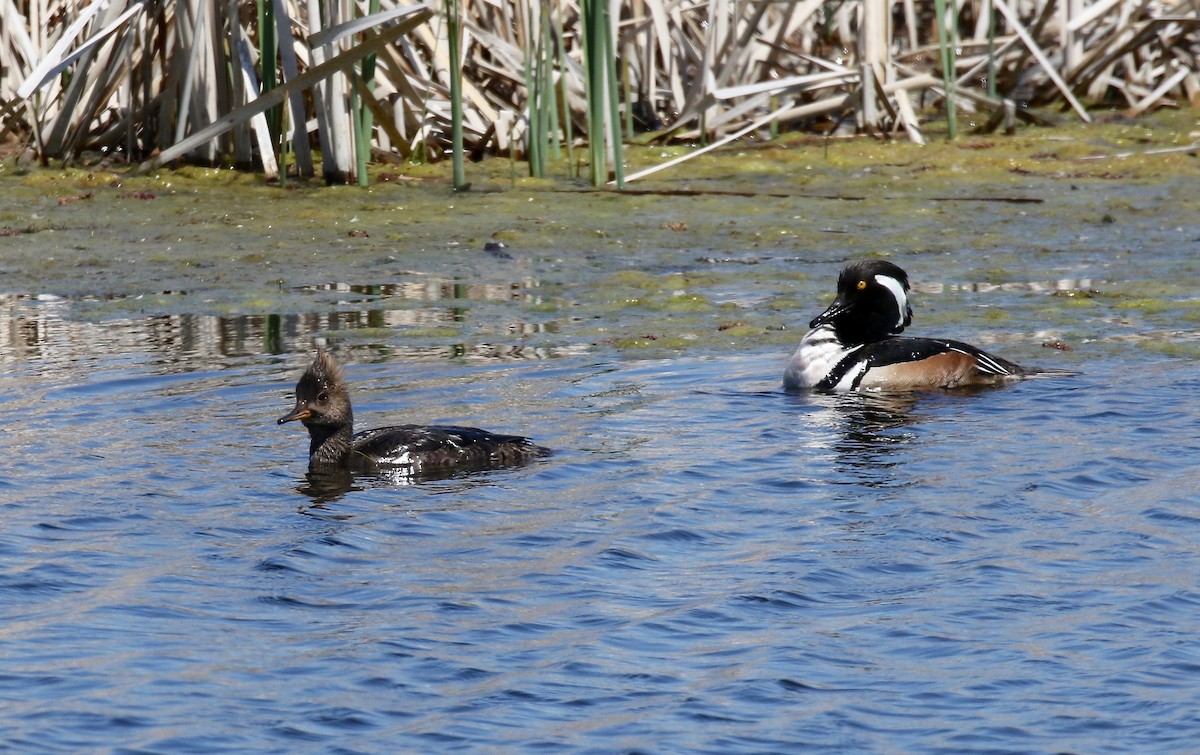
{"x":156,"y":81}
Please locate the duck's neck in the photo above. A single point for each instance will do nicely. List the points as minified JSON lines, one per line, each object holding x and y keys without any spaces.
{"x":329,"y":445}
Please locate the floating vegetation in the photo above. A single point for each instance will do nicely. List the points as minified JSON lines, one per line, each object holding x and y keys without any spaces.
{"x":283,"y":86}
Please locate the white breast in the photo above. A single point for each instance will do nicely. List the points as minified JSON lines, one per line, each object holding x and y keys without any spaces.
{"x":819,"y":352}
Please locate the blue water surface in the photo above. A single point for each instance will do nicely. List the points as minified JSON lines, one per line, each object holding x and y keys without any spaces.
{"x":707,"y":564}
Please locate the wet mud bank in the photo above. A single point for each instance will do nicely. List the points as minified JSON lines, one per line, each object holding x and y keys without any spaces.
{"x":1054,"y":239}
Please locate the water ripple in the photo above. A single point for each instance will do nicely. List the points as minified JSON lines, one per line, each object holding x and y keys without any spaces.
{"x":707,"y":564}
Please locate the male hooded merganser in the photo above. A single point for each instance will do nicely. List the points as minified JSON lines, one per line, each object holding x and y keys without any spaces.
{"x":853,"y":345}
{"x":323,"y":406}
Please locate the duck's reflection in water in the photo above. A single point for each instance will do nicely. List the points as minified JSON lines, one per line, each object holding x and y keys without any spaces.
{"x":869,"y":420}
{"x":329,"y":484}
{"x":861,"y":433}
{"x":868,"y":435}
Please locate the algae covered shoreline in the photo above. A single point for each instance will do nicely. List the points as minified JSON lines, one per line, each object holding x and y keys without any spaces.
{"x":726,"y":251}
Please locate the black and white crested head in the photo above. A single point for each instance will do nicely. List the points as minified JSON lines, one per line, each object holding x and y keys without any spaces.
{"x":871,"y":304}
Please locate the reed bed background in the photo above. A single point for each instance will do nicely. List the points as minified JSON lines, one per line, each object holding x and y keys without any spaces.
{"x":335,"y":83}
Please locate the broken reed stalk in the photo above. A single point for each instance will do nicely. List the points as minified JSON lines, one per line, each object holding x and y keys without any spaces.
{"x":546,"y":99}
{"x":563,"y":99}
{"x":991,"y":49}
{"x":364,"y":117}
{"x":546,"y":83}
{"x":454,"y":39}
{"x":268,"y":53}
{"x":947,"y":57}
{"x":614,"y":107}
{"x":603,"y":106}
{"x":535,"y":142}
{"x":406,"y":20}
{"x":591,"y":21}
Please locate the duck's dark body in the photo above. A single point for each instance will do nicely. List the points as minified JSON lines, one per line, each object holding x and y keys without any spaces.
{"x":439,"y":447}
{"x":323,"y":406}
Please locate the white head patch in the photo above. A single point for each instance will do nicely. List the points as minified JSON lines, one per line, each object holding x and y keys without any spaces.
{"x":893,"y":285}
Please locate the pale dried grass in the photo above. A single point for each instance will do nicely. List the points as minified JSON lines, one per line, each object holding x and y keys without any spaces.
{"x":157,"y":81}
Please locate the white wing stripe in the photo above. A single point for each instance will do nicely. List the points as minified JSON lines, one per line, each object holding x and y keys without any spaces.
{"x":985,"y":362}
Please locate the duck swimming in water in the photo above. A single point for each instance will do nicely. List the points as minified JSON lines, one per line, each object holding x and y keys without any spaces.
{"x":323,"y":407}
{"x":855,"y":343}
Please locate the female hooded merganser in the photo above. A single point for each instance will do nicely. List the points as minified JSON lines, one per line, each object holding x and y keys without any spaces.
{"x":323,"y":406}
{"x":854,"y":344}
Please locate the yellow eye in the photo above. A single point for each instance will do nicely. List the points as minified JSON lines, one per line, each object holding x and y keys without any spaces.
{"x":862,"y":285}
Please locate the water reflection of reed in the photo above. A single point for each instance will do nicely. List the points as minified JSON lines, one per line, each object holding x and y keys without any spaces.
{"x":437,"y":289}
{"x":45,"y":330}
{"x":1062,"y":284}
